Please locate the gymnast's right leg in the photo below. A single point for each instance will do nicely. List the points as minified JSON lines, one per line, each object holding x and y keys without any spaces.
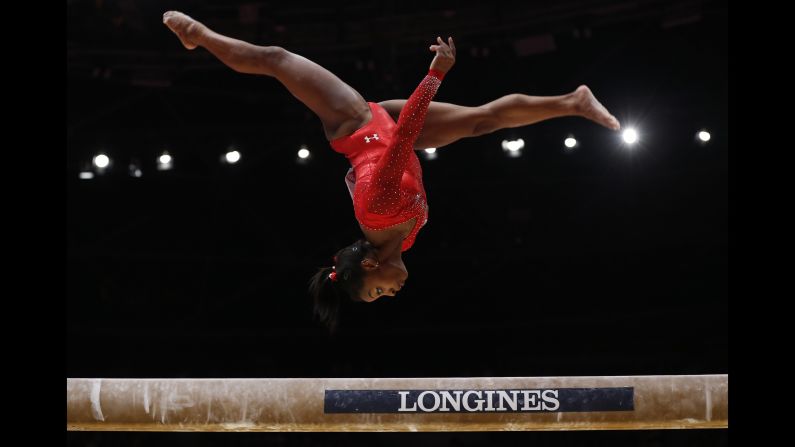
{"x":340,"y":108}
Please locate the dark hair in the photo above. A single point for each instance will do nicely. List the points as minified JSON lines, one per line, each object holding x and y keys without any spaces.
{"x":327,"y":295}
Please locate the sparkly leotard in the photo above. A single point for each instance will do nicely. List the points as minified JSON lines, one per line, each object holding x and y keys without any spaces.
{"x":385,"y":179}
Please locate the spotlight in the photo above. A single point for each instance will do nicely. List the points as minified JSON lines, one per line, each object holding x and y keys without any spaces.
{"x":513,"y":147}
{"x":303,"y":155}
{"x":101,"y":161}
{"x":570,"y":142}
{"x":85,"y":171}
{"x":135,"y":168}
{"x":630,"y":136}
{"x":164,"y":161}
{"x":232,"y":157}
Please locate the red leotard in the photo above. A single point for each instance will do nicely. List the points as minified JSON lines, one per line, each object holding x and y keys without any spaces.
{"x":385,"y":179}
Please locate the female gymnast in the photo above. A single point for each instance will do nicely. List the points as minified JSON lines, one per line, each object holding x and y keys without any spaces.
{"x":379,"y":139}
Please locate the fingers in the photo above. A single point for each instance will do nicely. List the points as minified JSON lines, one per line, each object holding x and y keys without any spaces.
{"x":444,"y":49}
{"x":444,"y":45}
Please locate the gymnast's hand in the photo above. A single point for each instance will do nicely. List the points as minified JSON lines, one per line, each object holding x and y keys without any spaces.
{"x":445,"y":55}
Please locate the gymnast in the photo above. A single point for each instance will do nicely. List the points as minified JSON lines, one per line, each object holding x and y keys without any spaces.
{"x":379,"y":140}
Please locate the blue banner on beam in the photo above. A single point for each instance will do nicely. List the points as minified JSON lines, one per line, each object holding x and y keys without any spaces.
{"x":549,"y":400}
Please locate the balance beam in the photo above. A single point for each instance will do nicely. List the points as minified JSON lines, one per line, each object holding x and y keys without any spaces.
{"x":395,"y":404}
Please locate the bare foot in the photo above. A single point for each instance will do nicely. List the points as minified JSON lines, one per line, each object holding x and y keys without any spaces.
{"x":587,"y":106}
{"x":184,"y":26}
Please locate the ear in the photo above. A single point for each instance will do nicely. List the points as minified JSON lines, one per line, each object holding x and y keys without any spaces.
{"x":369,"y":264}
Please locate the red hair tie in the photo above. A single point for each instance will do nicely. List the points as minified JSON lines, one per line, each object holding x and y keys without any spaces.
{"x":333,"y":276}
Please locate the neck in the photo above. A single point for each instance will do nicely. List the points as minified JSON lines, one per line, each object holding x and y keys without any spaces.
{"x":388,"y":252}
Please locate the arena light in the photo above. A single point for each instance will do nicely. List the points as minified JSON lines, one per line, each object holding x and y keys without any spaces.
{"x":570,"y":143}
{"x":232,"y":157}
{"x":101,"y":161}
{"x":135,"y":168}
{"x":513,"y":147}
{"x":304,"y":155}
{"x":630,"y":136}
{"x":164,"y":161}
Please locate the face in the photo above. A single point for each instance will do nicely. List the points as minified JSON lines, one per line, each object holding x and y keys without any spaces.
{"x":384,"y":280}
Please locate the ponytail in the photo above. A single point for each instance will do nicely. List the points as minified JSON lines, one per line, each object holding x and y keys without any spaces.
{"x":327,"y":294}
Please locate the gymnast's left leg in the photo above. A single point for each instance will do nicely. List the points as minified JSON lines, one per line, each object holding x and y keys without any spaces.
{"x":446,"y":123}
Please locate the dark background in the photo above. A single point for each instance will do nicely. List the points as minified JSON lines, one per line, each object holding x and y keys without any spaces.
{"x":603,"y":260}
